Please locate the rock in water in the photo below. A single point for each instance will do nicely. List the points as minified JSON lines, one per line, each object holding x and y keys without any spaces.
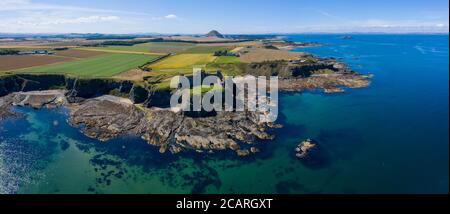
{"x":305,"y":148}
{"x":346,"y":37}
{"x":215,"y":33}
{"x":311,"y":154}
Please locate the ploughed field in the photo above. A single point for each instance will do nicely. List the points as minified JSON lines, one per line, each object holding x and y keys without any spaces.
{"x":76,"y":53}
{"x":17,"y":62}
{"x":106,"y":65}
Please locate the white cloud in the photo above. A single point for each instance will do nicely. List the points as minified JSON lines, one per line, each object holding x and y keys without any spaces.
{"x":86,"y":19}
{"x":171,"y":16}
{"x":30,"y":16}
{"x":59,"y":21}
{"x":29,"y":5}
{"x":338,"y":23}
{"x":401,"y":24}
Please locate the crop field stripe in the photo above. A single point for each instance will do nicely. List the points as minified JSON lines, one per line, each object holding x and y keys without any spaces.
{"x":119,"y":51}
{"x":205,"y":49}
{"x":148,"y":48}
{"x":100,"y":66}
{"x":227,"y":59}
{"x":100,"y":71}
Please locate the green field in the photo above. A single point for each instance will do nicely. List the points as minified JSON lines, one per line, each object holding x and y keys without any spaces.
{"x":101,"y":66}
{"x":201,"y":89}
{"x":228,"y":69}
{"x":205,"y":49}
{"x":227,"y":59}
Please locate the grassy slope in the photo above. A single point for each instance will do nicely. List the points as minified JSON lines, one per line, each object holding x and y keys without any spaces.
{"x":227,"y":59}
{"x":201,"y":89}
{"x":102,"y":66}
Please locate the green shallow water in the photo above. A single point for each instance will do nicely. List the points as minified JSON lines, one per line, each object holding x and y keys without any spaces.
{"x":391,"y":137}
{"x":51,"y":157}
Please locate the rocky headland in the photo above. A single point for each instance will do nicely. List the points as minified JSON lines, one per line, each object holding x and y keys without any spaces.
{"x":108,"y":108}
{"x":108,"y":116}
{"x":312,"y":73}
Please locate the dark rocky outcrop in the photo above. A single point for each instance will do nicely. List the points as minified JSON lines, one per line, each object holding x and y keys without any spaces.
{"x":138,"y":94}
{"x":295,"y":68}
{"x":26,"y":82}
{"x":42,"y":82}
{"x":158,"y":98}
{"x":320,"y":73}
{"x":311,"y":153}
{"x":5,"y":107}
{"x":88,"y":88}
{"x":9,"y":84}
{"x":80,"y":89}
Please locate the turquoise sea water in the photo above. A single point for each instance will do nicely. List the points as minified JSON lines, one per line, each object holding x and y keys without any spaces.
{"x":391,"y":137}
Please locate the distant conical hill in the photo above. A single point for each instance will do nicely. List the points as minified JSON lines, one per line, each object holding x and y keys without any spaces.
{"x":214,"y":33}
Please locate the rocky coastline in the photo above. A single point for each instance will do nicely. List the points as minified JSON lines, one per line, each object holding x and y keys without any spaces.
{"x":107,"y":116}
{"x":108,"y":108}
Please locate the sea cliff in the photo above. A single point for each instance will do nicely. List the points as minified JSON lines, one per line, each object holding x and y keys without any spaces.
{"x":108,"y":108}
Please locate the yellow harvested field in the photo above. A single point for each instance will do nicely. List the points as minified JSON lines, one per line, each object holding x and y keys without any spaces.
{"x":183,"y":61}
{"x":237,"y":49}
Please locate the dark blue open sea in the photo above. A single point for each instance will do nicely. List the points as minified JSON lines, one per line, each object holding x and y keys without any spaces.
{"x":391,"y":137}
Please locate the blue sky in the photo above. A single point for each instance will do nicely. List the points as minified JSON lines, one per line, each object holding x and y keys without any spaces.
{"x":230,"y":16}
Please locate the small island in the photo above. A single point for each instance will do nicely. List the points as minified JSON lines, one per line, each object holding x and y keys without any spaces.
{"x":311,"y":154}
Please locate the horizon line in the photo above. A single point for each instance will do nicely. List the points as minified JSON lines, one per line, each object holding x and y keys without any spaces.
{"x":268,"y":33}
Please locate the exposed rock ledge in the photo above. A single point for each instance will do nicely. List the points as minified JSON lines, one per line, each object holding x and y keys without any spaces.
{"x":330,"y":83}
{"x":107,"y":116}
